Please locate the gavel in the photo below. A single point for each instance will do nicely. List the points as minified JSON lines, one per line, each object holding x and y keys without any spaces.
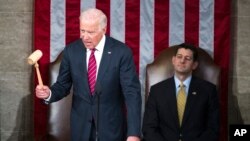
{"x":32,"y":60}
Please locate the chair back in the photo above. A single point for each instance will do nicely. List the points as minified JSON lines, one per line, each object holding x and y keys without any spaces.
{"x":58,"y":128}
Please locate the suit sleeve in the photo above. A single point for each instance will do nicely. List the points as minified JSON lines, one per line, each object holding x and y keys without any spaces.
{"x":132,"y":92}
{"x":63,"y":83}
{"x":151,"y":125}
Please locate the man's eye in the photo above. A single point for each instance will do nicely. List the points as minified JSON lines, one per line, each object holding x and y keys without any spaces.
{"x":179,"y":57}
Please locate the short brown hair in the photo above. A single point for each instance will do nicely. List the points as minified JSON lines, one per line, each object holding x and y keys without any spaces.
{"x":188,"y":46}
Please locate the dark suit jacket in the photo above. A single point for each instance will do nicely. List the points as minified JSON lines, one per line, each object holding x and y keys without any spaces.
{"x":201,"y":116}
{"x":120,"y":87}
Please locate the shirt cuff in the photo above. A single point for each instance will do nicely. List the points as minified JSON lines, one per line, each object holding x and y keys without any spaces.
{"x":47,"y":99}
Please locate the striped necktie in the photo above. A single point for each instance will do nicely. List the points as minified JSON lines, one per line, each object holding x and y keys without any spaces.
{"x":181,"y":101}
{"x":92,"y":71}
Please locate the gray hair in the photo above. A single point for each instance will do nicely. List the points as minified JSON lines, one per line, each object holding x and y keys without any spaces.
{"x":94,"y":14}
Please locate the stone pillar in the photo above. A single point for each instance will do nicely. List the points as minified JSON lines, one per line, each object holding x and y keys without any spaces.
{"x":16,"y":97}
{"x":239,"y":82}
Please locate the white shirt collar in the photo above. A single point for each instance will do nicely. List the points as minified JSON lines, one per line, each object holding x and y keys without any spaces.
{"x":185,"y":82}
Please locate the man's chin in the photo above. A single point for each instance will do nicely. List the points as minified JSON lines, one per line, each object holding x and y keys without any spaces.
{"x":89,"y":46}
{"x":183,"y":72}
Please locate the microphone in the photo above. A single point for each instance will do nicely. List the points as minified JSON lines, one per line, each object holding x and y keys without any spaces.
{"x":98,"y":90}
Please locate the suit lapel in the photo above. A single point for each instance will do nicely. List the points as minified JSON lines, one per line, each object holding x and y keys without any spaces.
{"x":81,"y":54}
{"x":192,"y":94}
{"x":105,"y":60}
{"x":172,"y":101}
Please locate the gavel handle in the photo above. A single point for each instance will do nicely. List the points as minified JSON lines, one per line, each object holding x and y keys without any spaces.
{"x":40,"y":81}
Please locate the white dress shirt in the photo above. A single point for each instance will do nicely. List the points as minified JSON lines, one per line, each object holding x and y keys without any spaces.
{"x":98,"y":54}
{"x":186,"y":83}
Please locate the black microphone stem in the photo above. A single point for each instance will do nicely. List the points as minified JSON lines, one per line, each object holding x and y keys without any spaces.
{"x":98,"y":90}
{"x":97,"y":117}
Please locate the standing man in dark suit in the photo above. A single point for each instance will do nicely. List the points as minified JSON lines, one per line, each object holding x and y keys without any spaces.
{"x":183,"y":107}
{"x":98,"y":67}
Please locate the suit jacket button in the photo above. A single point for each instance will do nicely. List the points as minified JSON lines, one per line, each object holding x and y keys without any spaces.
{"x":180,"y":136}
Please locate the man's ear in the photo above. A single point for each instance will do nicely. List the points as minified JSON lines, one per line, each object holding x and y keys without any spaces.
{"x":104,"y":30}
{"x":195,"y":65}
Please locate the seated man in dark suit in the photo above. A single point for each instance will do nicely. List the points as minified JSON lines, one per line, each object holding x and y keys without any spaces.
{"x":183,"y":107}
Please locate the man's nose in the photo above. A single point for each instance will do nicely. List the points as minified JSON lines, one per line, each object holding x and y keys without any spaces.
{"x":85,"y":36}
{"x":183,"y":59}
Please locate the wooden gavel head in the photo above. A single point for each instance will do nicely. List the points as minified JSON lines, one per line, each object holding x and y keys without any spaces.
{"x":34,"y":57}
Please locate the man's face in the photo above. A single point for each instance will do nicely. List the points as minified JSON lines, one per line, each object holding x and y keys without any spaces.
{"x":183,"y":62}
{"x":91,"y":33}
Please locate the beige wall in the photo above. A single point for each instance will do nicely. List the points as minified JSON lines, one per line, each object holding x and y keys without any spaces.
{"x":16,"y":119}
{"x":15,"y":75}
{"x":239,"y":98}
